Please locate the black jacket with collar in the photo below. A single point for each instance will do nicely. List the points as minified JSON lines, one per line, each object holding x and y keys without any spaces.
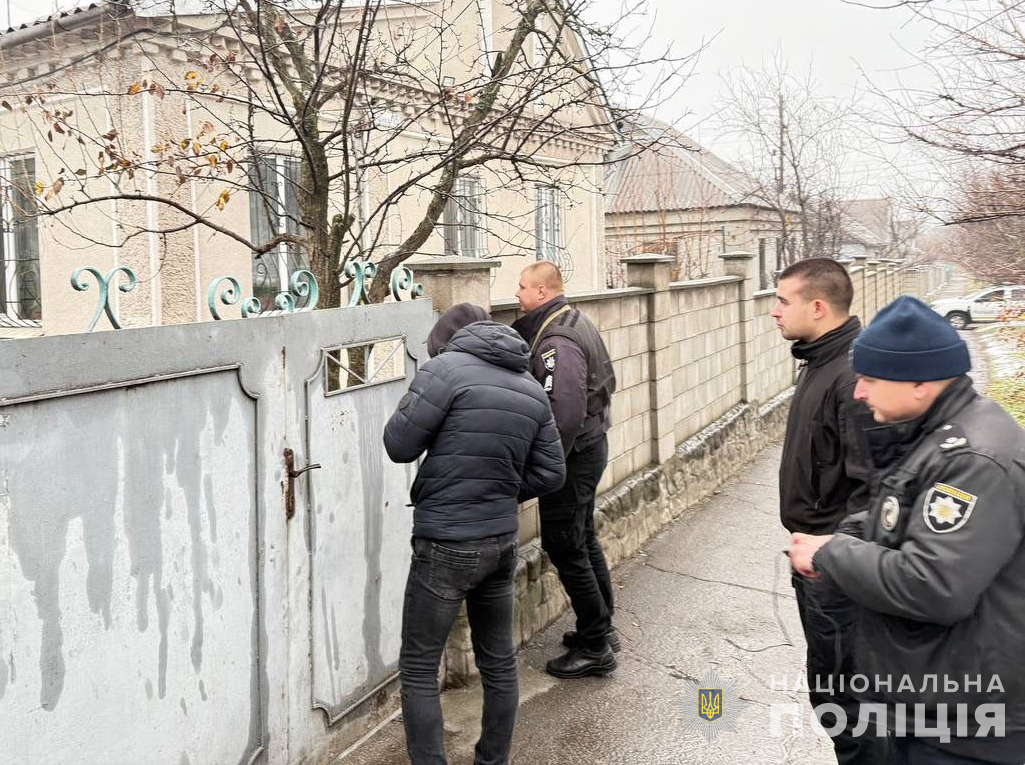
{"x":825,"y":469}
{"x":939,"y":568}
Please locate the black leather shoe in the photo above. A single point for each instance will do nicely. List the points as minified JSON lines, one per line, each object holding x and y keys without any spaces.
{"x":579,"y":662}
{"x":570,"y":640}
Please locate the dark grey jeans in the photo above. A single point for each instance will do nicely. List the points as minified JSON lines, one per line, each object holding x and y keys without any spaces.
{"x":829,"y":620}
{"x":442,"y":575}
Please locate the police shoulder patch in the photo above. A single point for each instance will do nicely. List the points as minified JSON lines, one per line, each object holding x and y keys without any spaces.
{"x":548,"y":357}
{"x":947,"y":508}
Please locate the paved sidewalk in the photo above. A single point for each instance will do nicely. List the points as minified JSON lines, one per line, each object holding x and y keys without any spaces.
{"x":711,"y":590}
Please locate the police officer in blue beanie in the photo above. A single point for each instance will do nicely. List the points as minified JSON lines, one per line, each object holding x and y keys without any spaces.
{"x":937,"y":562}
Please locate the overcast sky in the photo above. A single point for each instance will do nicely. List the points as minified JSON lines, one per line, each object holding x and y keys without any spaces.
{"x":839,"y":40}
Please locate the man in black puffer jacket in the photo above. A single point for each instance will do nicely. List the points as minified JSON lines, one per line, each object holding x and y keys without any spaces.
{"x":491,"y":442}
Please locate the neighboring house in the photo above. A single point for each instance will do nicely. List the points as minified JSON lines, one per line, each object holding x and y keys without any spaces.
{"x":86,"y":60}
{"x":872,"y":229}
{"x":670,"y":195}
{"x":859,"y":241}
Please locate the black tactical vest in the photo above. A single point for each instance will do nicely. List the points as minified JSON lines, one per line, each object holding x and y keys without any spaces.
{"x":601,"y":379}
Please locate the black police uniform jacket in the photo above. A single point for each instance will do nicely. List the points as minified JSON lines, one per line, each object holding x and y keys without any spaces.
{"x":572,"y":364}
{"x":940,"y":572}
{"x":488,"y":431}
{"x":823,"y":475}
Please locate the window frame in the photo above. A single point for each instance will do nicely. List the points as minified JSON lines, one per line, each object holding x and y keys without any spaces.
{"x":282,"y":253}
{"x":9,"y":288}
{"x":463,"y":229}
{"x":549,"y":240}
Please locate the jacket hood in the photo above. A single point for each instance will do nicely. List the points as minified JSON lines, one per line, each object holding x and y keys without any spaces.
{"x":450,"y":322}
{"x":492,"y":342}
{"x":830,"y":345}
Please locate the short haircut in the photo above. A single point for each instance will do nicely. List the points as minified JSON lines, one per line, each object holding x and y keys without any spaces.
{"x":823,"y":279}
{"x":547,"y":273}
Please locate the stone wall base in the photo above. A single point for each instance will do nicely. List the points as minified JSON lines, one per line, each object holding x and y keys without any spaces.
{"x":628,"y":515}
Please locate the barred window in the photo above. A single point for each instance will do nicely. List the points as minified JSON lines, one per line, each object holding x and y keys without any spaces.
{"x":464,"y":219}
{"x":548,"y":223}
{"x":20,"y":296}
{"x":274,"y":210}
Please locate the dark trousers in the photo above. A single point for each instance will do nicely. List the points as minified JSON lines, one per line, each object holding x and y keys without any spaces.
{"x":568,"y":536}
{"x":828,"y":618}
{"x":442,"y":575}
{"x":911,"y":751}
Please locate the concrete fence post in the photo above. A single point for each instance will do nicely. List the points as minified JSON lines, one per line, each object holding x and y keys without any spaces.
{"x":745,"y":265}
{"x":655,"y":272}
{"x":450,"y":280}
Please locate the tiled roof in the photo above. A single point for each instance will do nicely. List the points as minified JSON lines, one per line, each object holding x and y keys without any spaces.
{"x":676,"y":173}
{"x":58,"y":17}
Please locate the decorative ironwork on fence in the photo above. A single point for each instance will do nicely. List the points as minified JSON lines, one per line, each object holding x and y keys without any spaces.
{"x":303,"y":292}
{"x":103,"y":289}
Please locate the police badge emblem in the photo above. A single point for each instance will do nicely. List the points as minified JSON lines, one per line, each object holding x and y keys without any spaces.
{"x":548,"y":357}
{"x":890,"y":513}
{"x":947,"y":508}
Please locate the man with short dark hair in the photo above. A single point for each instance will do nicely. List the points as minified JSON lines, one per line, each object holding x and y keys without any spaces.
{"x":823,"y":473}
{"x":568,"y":357}
{"x":937,"y":562}
{"x":491,"y":443}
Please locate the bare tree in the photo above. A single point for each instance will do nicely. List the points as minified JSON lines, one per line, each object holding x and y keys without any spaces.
{"x":795,"y":144}
{"x":336,"y":88}
{"x":967,"y":126}
{"x":969,"y":121}
{"x":989,"y":247}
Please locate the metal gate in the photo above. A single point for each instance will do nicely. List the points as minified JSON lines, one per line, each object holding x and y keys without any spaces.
{"x":157,"y":604}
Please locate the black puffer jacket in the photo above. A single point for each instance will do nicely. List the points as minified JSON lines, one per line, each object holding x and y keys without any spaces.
{"x":489,"y":433}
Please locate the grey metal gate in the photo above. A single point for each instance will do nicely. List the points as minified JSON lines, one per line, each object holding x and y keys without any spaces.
{"x":156,"y":603}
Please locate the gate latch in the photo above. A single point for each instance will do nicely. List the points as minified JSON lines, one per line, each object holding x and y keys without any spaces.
{"x":292,"y":475}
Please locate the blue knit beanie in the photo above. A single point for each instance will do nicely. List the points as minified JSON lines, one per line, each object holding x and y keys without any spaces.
{"x":909,"y":341}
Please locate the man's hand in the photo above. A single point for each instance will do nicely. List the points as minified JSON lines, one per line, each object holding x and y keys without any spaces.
{"x":802,"y":550}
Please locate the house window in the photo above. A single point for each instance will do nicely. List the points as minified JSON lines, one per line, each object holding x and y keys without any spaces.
{"x":19,"y":243}
{"x":464,"y":219}
{"x":274,"y":210}
{"x":548,"y":223}
{"x":548,"y":229}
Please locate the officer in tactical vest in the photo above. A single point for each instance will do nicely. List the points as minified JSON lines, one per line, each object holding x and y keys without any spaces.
{"x":938,"y":560}
{"x":571,"y":362}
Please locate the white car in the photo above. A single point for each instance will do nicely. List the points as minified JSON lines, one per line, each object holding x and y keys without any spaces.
{"x":989,"y":304}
